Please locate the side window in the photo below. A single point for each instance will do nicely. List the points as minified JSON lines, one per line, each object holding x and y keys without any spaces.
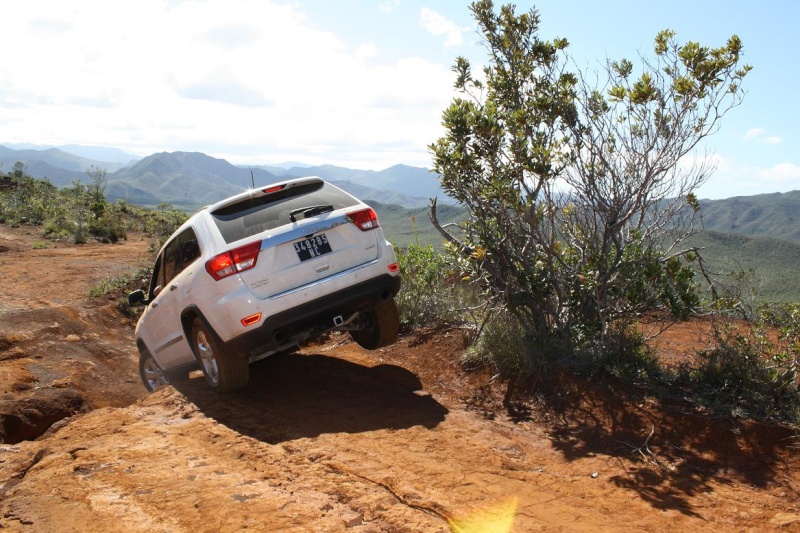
{"x":190,"y":249}
{"x":157,"y":280}
{"x":182,"y":251}
{"x":171,"y":260}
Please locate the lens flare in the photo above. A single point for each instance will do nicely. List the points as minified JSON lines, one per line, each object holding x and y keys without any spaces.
{"x":498,"y":518}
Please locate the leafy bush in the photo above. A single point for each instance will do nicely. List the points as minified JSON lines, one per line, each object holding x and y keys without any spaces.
{"x":109,"y":285}
{"x":431,"y":294}
{"x":504,"y":346}
{"x":118,"y":288}
{"x":578,"y":207}
{"x":753,"y":370}
{"x":27,"y":201}
{"x":160,"y":223}
{"x":79,"y":212}
{"x":108,"y":227}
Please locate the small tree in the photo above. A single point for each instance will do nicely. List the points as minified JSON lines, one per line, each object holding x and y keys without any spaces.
{"x":574,"y":189}
{"x":630,"y":180}
{"x":97,"y":183}
{"x":19,"y":170}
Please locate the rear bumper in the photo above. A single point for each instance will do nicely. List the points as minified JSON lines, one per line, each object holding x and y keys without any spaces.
{"x":315,"y":315}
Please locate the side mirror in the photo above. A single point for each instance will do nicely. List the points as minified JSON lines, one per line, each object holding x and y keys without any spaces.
{"x":136,"y":297}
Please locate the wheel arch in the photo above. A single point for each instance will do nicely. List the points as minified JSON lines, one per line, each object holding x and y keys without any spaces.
{"x":142,"y":347}
{"x":187,"y":319}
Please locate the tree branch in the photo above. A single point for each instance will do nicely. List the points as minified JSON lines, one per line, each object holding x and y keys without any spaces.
{"x":449,"y":237}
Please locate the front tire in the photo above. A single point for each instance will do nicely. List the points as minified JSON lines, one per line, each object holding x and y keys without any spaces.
{"x":381,"y":326}
{"x":152,"y":375}
{"x":224,"y":371}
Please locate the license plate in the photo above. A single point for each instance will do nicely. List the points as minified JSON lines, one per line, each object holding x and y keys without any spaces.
{"x":313,"y":247}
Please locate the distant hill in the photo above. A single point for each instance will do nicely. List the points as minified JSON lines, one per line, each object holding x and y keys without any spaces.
{"x":774,"y":215}
{"x":372,"y":195}
{"x":189,"y":180}
{"x":404,"y":227}
{"x":409,"y":181}
{"x":185,"y":179}
{"x":70,"y":158}
{"x":56,"y":165}
{"x":761,"y":232}
{"x":192,"y":179}
{"x":113,"y":156}
{"x":774,"y":261}
{"x":106,"y":154}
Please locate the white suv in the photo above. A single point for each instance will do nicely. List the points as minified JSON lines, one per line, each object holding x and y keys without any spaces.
{"x":260,"y":272}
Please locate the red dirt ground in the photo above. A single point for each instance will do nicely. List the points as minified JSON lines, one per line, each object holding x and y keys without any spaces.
{"x":335,"y":438}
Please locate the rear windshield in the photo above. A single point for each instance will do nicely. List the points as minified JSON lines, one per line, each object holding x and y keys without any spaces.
{"x":251,"y":216}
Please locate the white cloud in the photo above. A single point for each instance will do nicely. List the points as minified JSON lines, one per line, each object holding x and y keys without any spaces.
{"x":366,"y":51}
{"x":760,"y":136}
{"x":389,"y":6}
{"x":753,"y":134}
{"x":249,"y":80}
{"x":440,"y":25}
{"x":782,"y":174}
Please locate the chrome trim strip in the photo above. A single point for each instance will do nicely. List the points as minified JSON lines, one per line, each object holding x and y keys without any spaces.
{"x":174,"y":341}
{"x":301,"y":231}
{"x":324,"y":280}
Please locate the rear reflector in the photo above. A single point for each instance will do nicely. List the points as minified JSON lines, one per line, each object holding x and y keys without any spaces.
{"x":394,"y":267}
{"x":237,"y":260}
{"x":365,"y":219}
{"x":250,"y":320}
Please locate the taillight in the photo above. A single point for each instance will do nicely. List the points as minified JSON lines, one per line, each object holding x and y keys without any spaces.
{"x":237,"y":260}
{"x":365,"y":219}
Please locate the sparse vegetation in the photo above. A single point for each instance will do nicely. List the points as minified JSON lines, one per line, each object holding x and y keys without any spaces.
{"x":118,"y":288}
{"x":431,"y":294}
{"x":752,"y":371}
{"x":80,"y":212}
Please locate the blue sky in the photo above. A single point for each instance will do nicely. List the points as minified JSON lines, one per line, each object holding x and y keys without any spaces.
{"x":360,"y":84}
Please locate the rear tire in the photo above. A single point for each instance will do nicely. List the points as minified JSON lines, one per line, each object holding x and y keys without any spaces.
{"x":224,"y":371}
{"x":381,"y":326}
{"x":152,"y":375}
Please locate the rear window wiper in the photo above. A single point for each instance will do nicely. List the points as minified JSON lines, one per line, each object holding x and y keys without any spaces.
{"x":310,"y":211}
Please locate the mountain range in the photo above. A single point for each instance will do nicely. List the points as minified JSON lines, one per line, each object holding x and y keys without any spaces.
{"x":190,"y":180}
{"x":760,"y":232}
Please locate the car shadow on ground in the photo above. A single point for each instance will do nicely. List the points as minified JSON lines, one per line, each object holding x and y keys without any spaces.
{"x":292,"y":396}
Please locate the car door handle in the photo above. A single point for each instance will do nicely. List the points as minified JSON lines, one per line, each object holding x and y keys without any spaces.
{"x":173,"y":287}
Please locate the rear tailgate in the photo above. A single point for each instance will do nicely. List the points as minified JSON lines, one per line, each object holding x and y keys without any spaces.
{"x":314,"y":250}
{"x":308,"y":230}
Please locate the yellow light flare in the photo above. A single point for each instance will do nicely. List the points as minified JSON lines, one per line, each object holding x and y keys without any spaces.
{"x":498,"y":518}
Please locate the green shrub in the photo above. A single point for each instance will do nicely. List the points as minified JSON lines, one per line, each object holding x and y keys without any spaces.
{"x":160,"y":223}
{"x":753,"y":371}
{"x":431,"y":293}
{"x":108,"y":227}
{"x":623,"y":355}
{"x":109,"y":285}
{"x":58,"y":228}
{"x":502,"y":344}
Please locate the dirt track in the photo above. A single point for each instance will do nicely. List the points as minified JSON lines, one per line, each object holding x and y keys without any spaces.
{"x":334,"y":438}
